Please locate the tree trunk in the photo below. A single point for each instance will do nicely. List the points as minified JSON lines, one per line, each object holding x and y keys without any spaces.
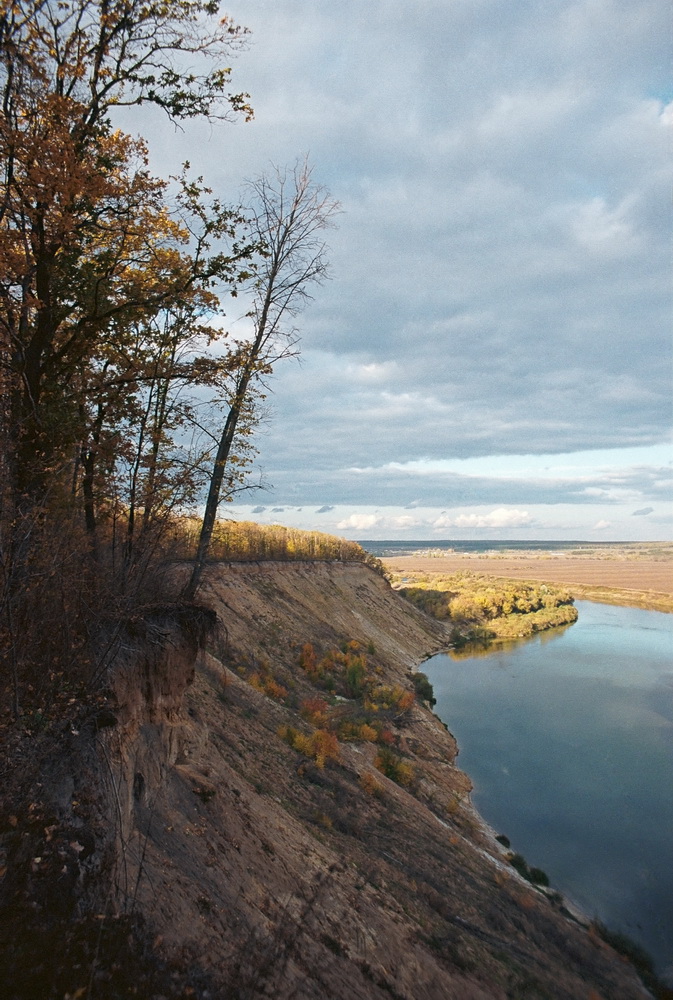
{"x":215,"y":488}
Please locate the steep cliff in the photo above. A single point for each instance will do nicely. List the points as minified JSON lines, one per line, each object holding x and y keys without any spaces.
{"x":240,"y":864}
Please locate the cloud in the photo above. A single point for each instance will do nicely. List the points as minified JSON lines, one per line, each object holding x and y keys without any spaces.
{"x":601,"y":525}
{"x":515,"y":294}
{"x":324,"y":509}
{"x":404,"y":521}
{"x":643,"y":512}
{"x":439,"y":483}
{"x":500,"y":518}
{"x":359,"y":522}
{"x":258,"y":510}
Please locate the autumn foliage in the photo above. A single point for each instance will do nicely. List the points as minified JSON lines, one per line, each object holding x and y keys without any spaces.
{"x":365,"y":710}
{"x":113,"y":287}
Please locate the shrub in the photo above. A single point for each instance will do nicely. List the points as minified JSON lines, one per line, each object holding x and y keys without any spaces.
{"x":269,"y":686}
{"x":538,"y":877}
{"x":384,"y":696}
{"x":519,"y":862}
{"x":324,"y":746}
{"x":626,"y":946}
{"x":307,"y":659}
{"x":321,"y":745}
{"x":315,"y":711}
{"x":370,"y":785}
{"x":355,"y":675}
{"x":350,"y":729}
{"x":390,"y":764}
{"x":368,"y":733}
{"x":423,"y":688}
{"x":534,"y":875}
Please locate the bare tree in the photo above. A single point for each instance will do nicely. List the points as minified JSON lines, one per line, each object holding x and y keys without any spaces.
{"x":288,"y":215}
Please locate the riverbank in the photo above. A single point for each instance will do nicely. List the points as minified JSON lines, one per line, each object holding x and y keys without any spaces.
{"x":628,"y":581}
{"x":478,"y":608}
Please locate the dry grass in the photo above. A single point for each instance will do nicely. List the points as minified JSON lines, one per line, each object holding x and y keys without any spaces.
{"x":643,"y":582}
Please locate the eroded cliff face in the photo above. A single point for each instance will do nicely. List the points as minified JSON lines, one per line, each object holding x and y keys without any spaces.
{"x":260,"y":873}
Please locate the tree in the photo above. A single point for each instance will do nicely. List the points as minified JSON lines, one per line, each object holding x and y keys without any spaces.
{"x":100,"y":54}
{"x":103,"y":288}
{"x":288,"y":214}
{"x":87,"y":239}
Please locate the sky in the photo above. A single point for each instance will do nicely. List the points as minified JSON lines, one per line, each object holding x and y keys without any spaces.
{"x":491,"y":357}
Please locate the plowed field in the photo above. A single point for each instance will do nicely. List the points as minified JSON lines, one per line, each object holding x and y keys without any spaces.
{"x":647,"y":583}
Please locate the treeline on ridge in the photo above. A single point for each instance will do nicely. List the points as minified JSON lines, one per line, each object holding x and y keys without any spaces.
{"x":246,"y":541}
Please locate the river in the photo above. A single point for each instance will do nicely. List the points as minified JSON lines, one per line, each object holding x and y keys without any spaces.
{"x":568,"y":738}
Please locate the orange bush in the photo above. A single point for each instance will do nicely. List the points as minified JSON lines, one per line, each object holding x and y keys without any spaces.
{"x":370,"y":785}
{"x":274,"y":690}
{"x":268,"y":686}
{"x":368,"y":733}
{"x":324,"y":746}
{"x":308,"y":660}
{"x":321,"y":745}
{"x":315,"y":711}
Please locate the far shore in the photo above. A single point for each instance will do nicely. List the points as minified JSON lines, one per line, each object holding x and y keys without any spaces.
{"x":638,"y":583}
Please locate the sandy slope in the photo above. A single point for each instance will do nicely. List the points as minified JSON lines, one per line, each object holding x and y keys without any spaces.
{"x":257,"y":863}
{"x":256,"y":872}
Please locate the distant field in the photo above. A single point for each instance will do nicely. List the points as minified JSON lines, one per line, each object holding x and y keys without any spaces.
{"x":641,"y":582}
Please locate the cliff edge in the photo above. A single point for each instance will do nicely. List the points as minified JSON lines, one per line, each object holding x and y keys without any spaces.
{"x":210,"y":845}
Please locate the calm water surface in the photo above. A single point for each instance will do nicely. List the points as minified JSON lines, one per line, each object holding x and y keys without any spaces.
{"x":568,"y":738}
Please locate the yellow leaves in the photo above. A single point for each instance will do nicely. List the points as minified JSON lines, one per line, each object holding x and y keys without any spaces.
{"x":264,"y":681}
{"x":80,"y":196}
{"x":368,"y":733}
{"x":321,"y":745}
{"x":394,"y":697}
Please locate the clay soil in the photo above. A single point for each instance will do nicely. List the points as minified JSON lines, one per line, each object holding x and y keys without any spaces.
{"x":641,"y":582}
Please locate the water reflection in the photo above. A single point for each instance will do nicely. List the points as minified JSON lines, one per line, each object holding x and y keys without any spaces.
{"x":568,"y":738}
{"x":478,"y":650}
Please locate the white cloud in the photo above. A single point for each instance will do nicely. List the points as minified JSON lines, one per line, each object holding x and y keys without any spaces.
{"x":560,"y":521}
{"x":404,"y":521}
{"x":359,"y":522}
{"x":499,"y":518}
{"x":607,"y":231}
